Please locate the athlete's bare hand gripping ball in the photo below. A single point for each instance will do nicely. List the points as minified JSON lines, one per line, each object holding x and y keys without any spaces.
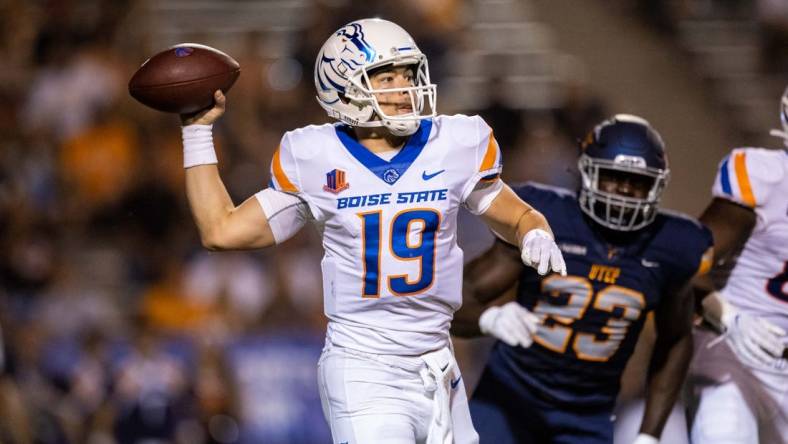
{"x":207,"y":116}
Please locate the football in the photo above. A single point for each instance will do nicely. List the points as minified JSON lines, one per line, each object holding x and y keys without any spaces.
{"x":183,"y":78}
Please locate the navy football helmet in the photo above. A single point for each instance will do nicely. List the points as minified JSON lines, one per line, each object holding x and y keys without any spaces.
{"x":625,"y":147}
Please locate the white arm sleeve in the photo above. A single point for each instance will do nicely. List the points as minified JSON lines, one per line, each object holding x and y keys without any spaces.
{"x":286,"y":213}
{"x":482,"y":196}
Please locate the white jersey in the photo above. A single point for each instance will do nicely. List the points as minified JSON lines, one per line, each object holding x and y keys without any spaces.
{"x":392,"y":270}
{"x":758,"y":178}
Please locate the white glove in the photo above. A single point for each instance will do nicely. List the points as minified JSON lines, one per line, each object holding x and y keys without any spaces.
{"x":540,"y":251}
{"x":511,"y":323}
{"x":751,"y":337}
{"x":643,"y":438}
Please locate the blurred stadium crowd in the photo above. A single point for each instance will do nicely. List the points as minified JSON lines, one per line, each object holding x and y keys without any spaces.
{"x":117,"y":326}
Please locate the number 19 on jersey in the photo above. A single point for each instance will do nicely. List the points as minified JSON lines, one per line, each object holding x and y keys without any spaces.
{"x":411,"y":236}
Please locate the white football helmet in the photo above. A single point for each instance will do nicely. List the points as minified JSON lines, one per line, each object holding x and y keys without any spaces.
{"x":342,"y":80}
{"x":784,"y":119}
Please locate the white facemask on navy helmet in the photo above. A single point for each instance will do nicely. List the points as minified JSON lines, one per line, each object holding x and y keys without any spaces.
{"x":784,"y":119}
{"x":342,"y":76}
{"x":623,"y":144}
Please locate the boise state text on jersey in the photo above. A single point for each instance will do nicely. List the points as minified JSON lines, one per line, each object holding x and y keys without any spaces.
{"x":593,"y":316}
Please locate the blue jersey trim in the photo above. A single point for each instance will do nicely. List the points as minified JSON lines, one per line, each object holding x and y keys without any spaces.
{"x":725,"y":181}
{"x":390,"y":171}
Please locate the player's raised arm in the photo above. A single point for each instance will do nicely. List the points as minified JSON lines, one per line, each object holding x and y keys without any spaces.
{"x":222,"y":225}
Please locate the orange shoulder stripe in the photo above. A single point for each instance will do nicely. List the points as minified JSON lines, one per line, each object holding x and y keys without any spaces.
{"x":281,"y":177}
{"x":489,"y":155}
{"x":744,"y":180}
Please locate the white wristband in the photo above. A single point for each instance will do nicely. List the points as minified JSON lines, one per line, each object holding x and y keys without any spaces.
{"x":198,"y":145}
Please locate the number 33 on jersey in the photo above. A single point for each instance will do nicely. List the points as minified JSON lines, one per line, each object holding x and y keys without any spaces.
{"x":392,"y":267}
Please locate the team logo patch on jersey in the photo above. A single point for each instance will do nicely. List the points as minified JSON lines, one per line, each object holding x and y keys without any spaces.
{"x":335,"y":181}
{"x":390,"y":176}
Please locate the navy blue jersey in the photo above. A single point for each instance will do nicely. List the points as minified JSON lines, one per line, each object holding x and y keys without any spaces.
{"x":593,"y":316}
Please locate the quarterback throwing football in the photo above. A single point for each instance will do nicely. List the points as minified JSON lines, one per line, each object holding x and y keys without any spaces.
{"x":383,"y":187}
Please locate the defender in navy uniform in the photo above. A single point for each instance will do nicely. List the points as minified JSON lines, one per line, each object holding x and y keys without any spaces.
{"x":555,"y":372}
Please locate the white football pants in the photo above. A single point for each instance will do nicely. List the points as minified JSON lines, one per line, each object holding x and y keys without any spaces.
{"x":388,"y":399}
{"x":733,"y":403}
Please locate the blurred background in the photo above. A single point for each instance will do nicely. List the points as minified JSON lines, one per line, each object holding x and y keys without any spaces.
{"x":118,"y":327}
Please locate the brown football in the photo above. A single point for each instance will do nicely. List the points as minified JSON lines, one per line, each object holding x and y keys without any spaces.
{"x":183,"y":78}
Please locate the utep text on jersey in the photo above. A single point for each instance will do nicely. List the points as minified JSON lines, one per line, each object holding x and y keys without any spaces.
{"x":593,"y":316}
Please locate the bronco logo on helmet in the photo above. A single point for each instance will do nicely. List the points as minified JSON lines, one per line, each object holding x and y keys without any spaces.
{"x":355,"y":53}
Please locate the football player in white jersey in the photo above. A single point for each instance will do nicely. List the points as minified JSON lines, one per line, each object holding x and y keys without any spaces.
{"x":383,"y":187}
{"x":738,"y":385}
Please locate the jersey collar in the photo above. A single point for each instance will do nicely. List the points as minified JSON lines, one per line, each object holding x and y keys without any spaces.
{"x":387,"y":171}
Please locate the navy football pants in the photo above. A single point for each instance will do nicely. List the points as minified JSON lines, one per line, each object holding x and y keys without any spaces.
{"x":505,"y":415}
